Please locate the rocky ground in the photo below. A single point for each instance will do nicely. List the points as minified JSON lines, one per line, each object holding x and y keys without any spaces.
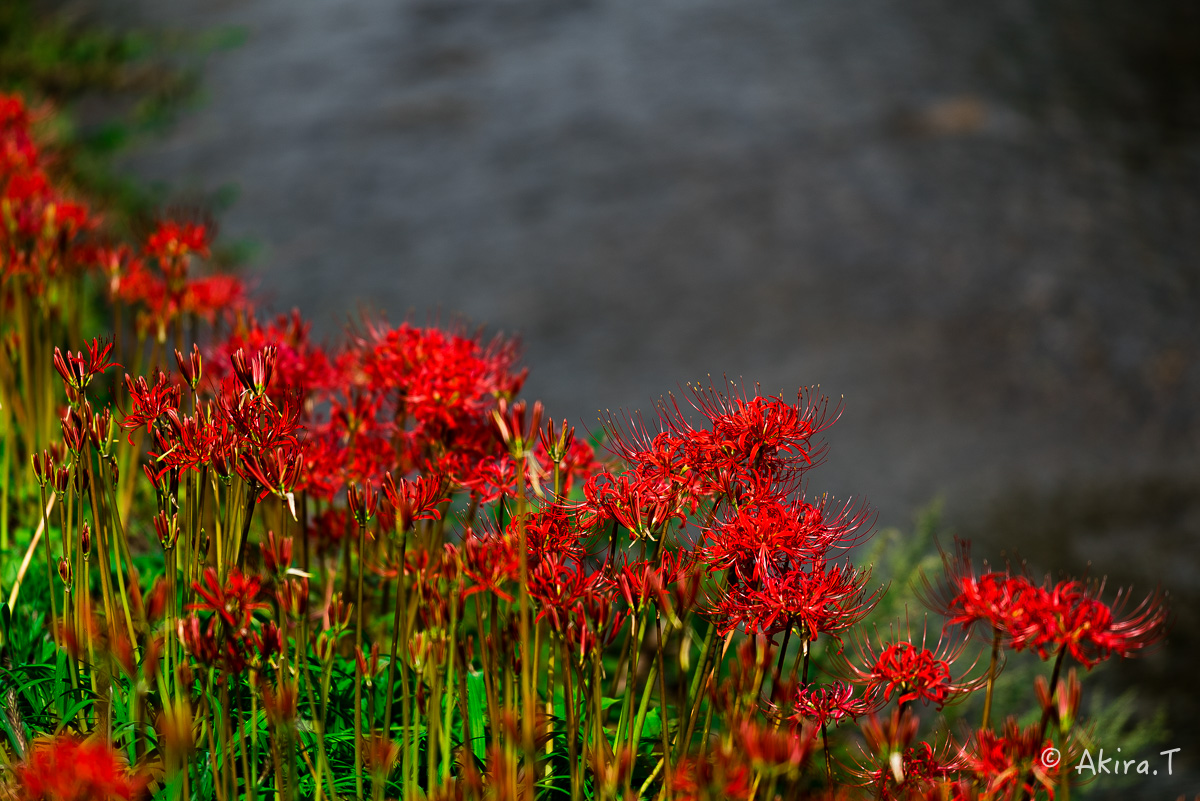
{"x":938,"y":214}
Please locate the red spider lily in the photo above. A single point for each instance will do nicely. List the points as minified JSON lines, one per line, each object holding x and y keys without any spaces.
{"x":768,"y":536}
{"x":595,"y":624}
{"x":911,"y":773}
{"x":43,"y":463}
{"x":259,"y":421}
{"x":414,"y":500}
{"x":550,"y":532}
{"x":200,"y":641}
{"x":39,"y":224}
{"x":299,"y":364}
{"x":356,"y":415}
{"x":272,"y":642}
{"x":437,"y":391}
{"x":831,"y":703}
{"x":911,"y":671}
{"x":231,"y":650}
{"x":74,"y":430}
{"x":558,"y":585}
{"x":278,"y":470}
{"x":490,"y":479}
{"x":292,"y":595}
{"x":149,"y":402}
{"x":116,"y":263}
{"x":212,"y":295}
{"x":17,"y":149}
{"x":766,"y":434}
{"x":362,"y":502}
{"x":276,"y":554}
{"x":644,"y":580}
{"x":234,"y":603}
{"x":770,"y":748}
{"x":644,"y":508}
{"x":1071,"y":616}
{"x":1009,"y":764}
{"x":190,"y":368}
{"x":77,"y":370}
{"x":64,"y":768}
{"x":167,"y":529}
{"x":441,"y":376}
{"x":556,"y":444}
{"x":98,"y":431}
{"x":752,"y":443}
{"x":725,"y":776}
{"x":335,"y":459}
{"x":1063,"y":704}
{"x":826,"y":599}
{"x":188,"y":443}
{"x":491,"y":562}
{"x":509,"y":421}
{"x":172,"y":242}
{"x":997,"y":599}
{"x":662,"y":462}
{"x":255,"y":371}
{"x":572,"y":461}
{"x":367,"y":668}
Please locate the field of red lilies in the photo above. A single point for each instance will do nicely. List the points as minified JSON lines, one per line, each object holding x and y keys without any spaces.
{"x":240,"y":564}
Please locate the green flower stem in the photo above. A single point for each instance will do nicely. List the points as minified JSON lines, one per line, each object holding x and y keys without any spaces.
{"x":991,"y":680}
{"x":358,"y":640}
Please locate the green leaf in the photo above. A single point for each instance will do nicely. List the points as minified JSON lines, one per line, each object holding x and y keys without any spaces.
{"x":652,"y":728}
{"x":73,"y":710}
{"x":62,"y":678}
{"x":477,"y":710}
{"x":174,"y":784}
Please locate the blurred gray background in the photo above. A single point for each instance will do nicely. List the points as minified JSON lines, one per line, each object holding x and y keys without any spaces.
{"x":977,"y":223}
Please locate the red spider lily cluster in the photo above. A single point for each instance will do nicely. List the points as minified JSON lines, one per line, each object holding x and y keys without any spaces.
{"x":68,"y":769}
{"x":381,"y":534}
{"x":49,"y":233}
{"x":1050,"y":618}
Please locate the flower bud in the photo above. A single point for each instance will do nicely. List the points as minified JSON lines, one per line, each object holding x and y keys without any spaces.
{"x":190,"y":367}
{"x":167,"y":529}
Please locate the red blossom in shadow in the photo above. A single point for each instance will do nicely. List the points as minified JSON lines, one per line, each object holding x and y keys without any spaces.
{"x":1066,"y":616}
{"x":1071,"y":616}
{"x":234,"y":602}
{"x":830,"y":703}
{"x":1009,"y":763}
{"x":898,"y":665}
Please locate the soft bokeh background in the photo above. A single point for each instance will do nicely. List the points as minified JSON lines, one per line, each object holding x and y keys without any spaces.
{"x":977,"y":223}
